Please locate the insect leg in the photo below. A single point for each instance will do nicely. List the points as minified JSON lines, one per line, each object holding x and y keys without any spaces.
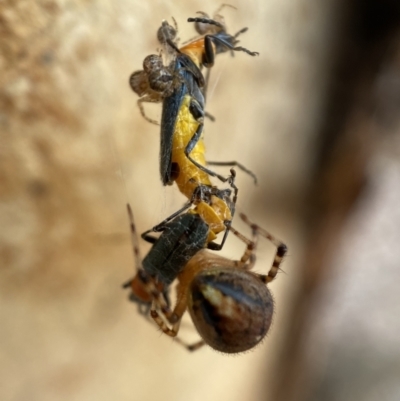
{"x":192,"y":143}
{"x":243,"y":30}
{"x":206,"y":21}
{"x":232,"y":206}
{"x":235,"y":164}
{"x":161,"y":226}
{"x":228,"y":45}
{"x":209,"y":52}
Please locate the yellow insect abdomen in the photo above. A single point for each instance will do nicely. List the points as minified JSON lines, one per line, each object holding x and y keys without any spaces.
{"x":189,"y":176}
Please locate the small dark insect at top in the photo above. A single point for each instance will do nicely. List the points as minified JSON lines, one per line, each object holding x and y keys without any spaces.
{"x":214,"y":39}
{"x":202,"y":29}
{"x":211,"y":44}
{"x":201,"y":51}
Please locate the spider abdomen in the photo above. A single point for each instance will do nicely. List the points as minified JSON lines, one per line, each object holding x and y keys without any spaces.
{"x":231,"y":308}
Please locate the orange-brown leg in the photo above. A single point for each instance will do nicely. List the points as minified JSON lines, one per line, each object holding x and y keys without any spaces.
{"x":173,"y":331}
{"x":248,"y":258}
{"x":281,"y":248}
{"x":173,"y":317}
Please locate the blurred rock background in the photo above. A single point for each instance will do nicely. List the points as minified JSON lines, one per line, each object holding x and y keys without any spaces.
{"x":316,"y":116}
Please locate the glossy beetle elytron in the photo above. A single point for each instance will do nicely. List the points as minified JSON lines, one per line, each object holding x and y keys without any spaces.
{"x":181,"y":239}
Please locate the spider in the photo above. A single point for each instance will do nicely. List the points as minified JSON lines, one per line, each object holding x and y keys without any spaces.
{"x":230,"y":305}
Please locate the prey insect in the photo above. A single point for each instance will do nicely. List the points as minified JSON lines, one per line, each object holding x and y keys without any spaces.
{"x":230,"y":305}
{"x":183,"y":162}
{"x":179,"y":87}
{"x":182,"y":155}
